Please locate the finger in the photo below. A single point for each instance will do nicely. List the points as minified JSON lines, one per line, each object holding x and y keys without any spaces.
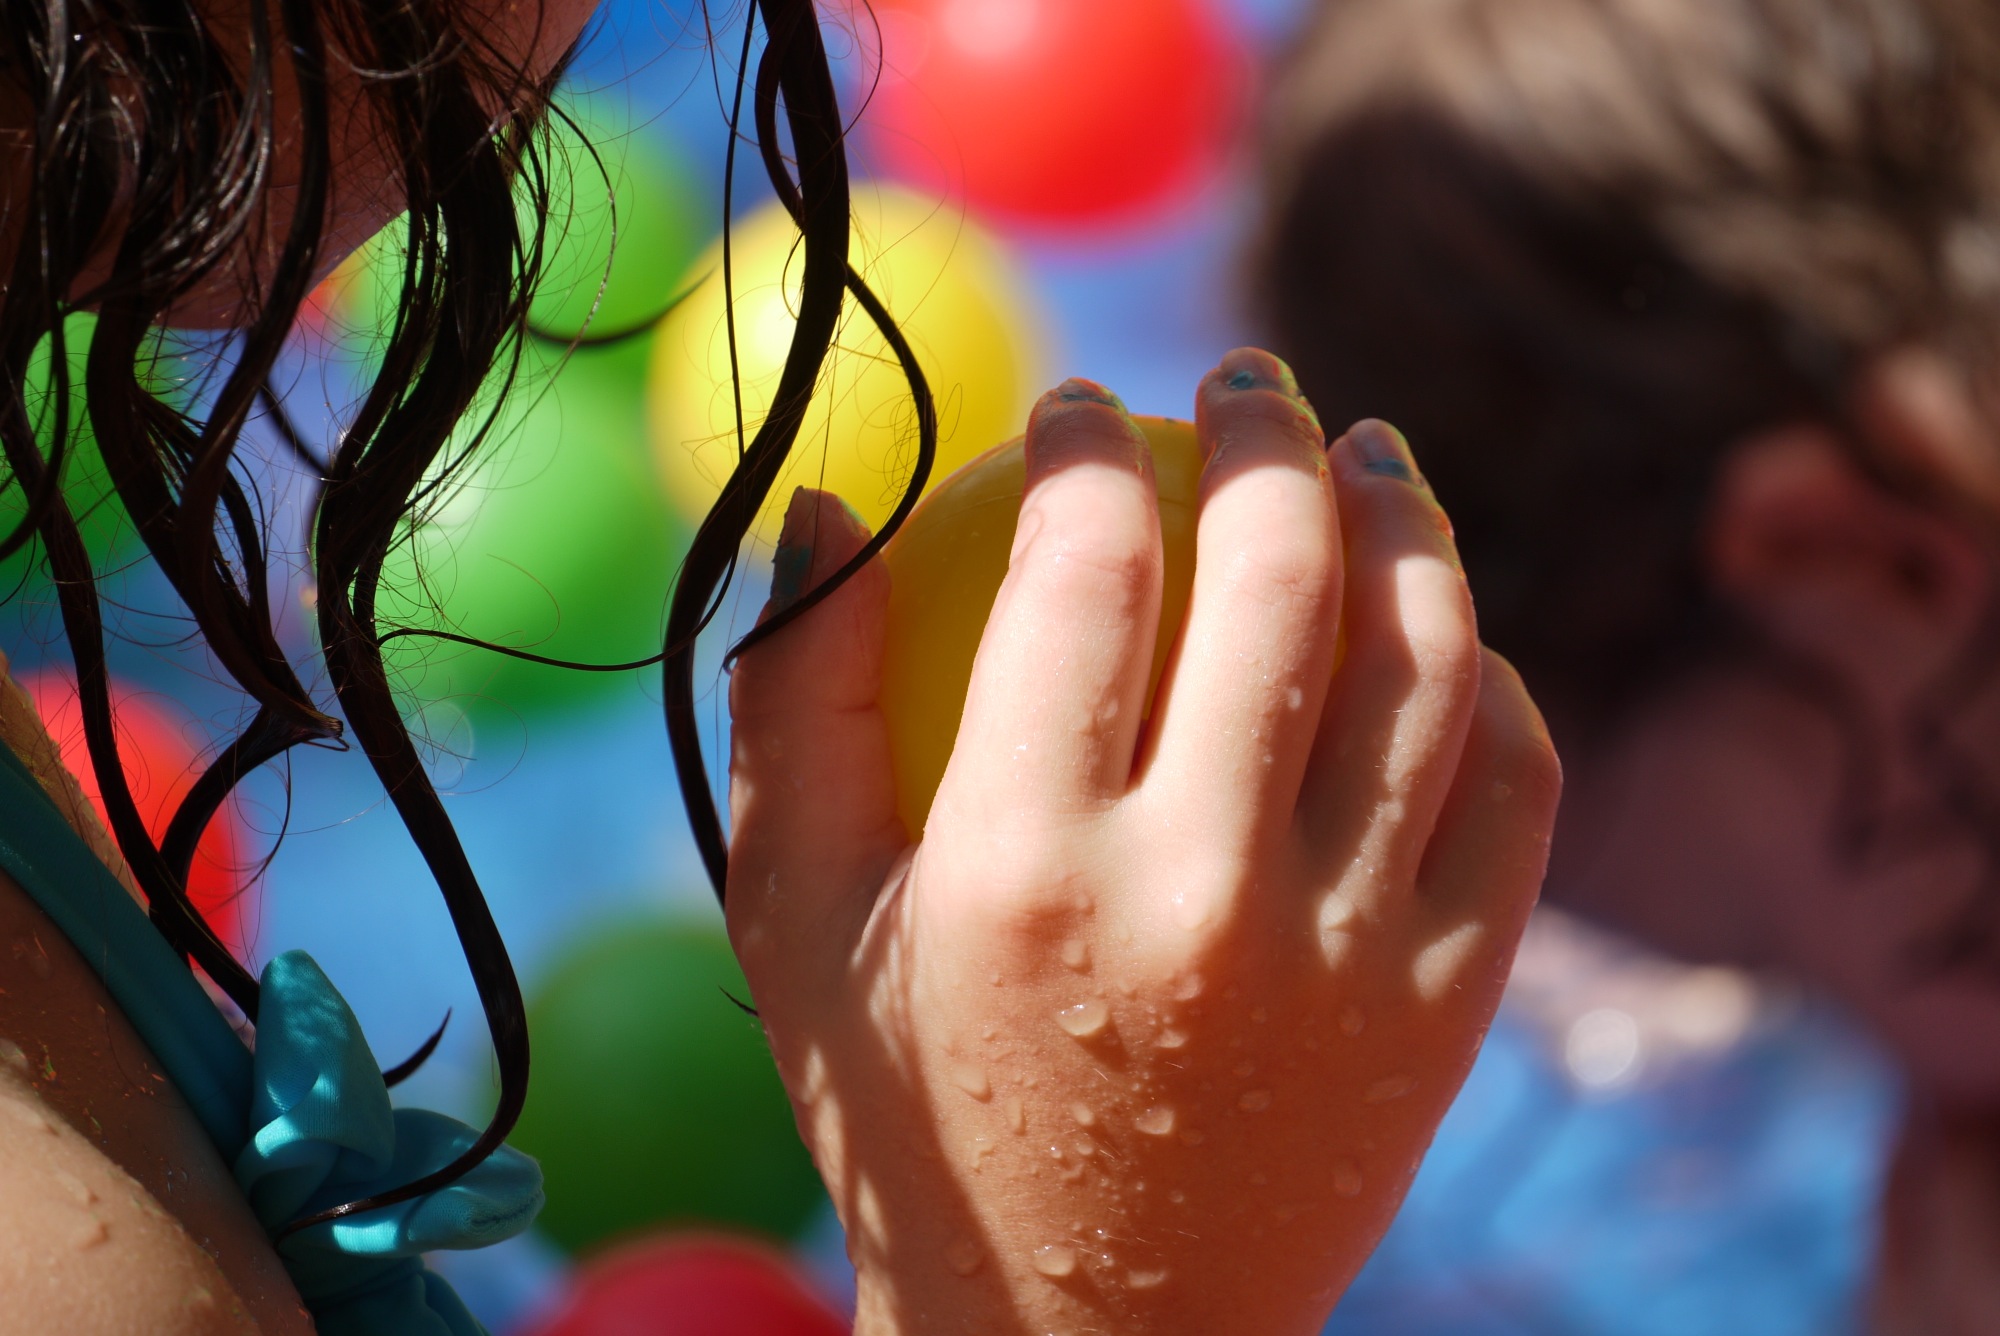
{"x":1052,"y":712}
{"x":1483,"y":869}
{"x":812,"y":793}
{"x":1395,"y":721}
{"x":1235,"y":722}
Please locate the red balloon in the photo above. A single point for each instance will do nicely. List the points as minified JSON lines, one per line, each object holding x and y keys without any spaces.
{"x":1053,"y":111}
{"x":691,"y":1285}
{"x":161,"y":765}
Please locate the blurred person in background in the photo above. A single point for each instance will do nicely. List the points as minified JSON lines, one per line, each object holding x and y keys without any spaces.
{"x":1691,"y":313}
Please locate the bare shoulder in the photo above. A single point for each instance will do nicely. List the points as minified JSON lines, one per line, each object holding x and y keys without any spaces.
{"x":84,"y":1248}
{"x":117,"y":1214}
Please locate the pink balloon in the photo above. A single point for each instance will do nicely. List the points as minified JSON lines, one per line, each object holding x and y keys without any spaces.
{"x":691,"y":1285}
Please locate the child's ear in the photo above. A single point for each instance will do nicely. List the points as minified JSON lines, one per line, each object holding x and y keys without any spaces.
{"x":1827,"y":563}
{"x":1919,"y":404}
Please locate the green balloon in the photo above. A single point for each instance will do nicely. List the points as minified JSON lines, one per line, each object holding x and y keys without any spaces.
{"x":108,"y":535}
{"x":624,"y":220}
{"x":653,"y":1100}
{"x":621,"y":228}
{"x":556,"y":539}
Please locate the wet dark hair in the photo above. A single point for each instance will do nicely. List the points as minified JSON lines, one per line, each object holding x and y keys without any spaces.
{"x":139,"y":128}
{"x":1578,"y":249}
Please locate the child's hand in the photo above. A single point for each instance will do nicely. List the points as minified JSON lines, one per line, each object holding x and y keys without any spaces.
{"x":1150,"y":1031}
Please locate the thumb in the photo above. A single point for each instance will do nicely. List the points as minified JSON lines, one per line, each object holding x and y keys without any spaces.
{"x":812,"y":793}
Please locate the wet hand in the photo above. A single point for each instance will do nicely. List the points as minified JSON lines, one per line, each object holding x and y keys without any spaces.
{"x":1151,"y":1028}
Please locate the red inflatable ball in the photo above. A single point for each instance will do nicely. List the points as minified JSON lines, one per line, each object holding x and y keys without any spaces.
{"x":1051,"y":111}
{"x":690,"y":1285}
{"x":161,"y":764}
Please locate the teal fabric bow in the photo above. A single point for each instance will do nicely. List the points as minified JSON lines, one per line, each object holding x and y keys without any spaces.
{"x":306,"y":1121}
{"x":322,"y":1132}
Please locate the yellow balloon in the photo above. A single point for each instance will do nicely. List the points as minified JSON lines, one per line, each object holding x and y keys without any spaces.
{"x":945,"y":567}
{"x":953,"y":294}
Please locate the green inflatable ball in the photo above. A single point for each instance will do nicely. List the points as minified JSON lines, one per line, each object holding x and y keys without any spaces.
{"x":653,"y":1100}
{"x":621,"y":228}
{"x":623,"y":221}
{"x":555,"y":539}
{"x":108,"y":535}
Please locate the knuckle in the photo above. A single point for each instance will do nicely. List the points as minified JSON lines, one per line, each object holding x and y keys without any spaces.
{"x":1442,"y":636}
{"x":1118,"y":563}
{"x":1277,"y":540}
{"x":1284,"y":571}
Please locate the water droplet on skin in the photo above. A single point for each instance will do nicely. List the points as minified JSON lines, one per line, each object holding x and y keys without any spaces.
{"x":1347,"y":1178}
{"x":1085,"y":1115}
{"x":1017,"y":1115}
{"x":1055,"y":1260}
{"x":1085,"y":1018}
{"x":1242,"y":1069}
{"x":994,"y":978}
{"x":1177,"y":1196}
{"x":1390,"y":1087}
{"x":1501,"y":792}
{"x":1172,"y":1039}
{"x":1084,"y":1149}
{"x":75,"y":1188}
{"x":1254,"y":1101}
{"x":1353,"y":1020}
{"x":1295,"y":699}
{"x":1146,"y":1280}
{"x":1189,"y":987}
{"x":971,"y":1078}
{"x":1076,"y":953}
{"x":963,"y":1256}
{"x":1157,"y":1121}
{"x":201,"y":1301}
{"x":978,"y":1150}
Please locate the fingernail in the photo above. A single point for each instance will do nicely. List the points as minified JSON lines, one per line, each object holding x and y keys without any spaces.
{"x":1381,"y":450}
{"x":1078,"y":390}
{"x":1255,"y":369}
{"x":791,"y":564}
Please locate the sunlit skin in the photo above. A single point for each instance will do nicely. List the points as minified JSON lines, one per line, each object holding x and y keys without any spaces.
{"x":1149,"y":1032}
{"x":1243,"y":961}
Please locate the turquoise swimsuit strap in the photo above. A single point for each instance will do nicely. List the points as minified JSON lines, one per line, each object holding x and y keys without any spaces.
{"x":305,"y":1123}
{"x":203,"y":1057}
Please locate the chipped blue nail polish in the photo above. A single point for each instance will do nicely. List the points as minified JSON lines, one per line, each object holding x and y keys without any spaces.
{"x":1389,"y":468}
{"x":1085,"y":397}
{"x":791,"y":564}
{"x":1243,"y":380}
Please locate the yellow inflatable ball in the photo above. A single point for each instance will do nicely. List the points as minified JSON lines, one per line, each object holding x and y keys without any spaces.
{"x":954,"y":295}
{"x":945,"y":567}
